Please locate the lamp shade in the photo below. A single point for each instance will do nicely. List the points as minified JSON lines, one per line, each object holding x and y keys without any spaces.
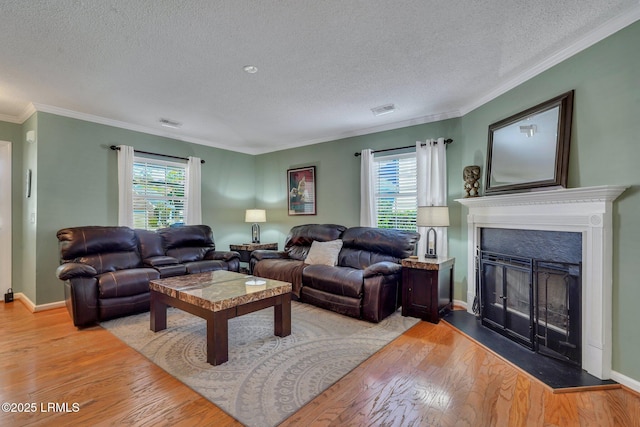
{"x":255,"y":215}
{"x":432,"y":216}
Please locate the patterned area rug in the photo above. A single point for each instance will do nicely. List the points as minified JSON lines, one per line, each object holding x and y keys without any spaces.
{"x":267,"y":378}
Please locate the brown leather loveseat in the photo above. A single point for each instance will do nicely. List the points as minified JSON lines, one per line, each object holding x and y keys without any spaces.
{"x":365,"y":281}
{"x":106,"y":270}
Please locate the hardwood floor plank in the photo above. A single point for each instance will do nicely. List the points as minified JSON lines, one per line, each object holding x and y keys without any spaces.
{"x":429,"y":376}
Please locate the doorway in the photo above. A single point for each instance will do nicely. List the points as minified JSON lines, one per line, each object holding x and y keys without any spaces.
{"x":5,"y":216}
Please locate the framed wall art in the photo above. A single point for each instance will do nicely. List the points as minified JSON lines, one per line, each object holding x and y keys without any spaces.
{"x":301,"y":186}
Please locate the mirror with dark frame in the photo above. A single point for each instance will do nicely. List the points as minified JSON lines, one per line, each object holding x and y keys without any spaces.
{"x":530,"y":150}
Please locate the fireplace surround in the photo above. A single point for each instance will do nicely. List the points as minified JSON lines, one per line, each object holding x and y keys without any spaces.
{"x":586,"y":210}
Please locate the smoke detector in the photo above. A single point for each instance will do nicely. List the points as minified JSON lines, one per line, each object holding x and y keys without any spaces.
{"x":383,"y":109}
{"x":251,"y":69}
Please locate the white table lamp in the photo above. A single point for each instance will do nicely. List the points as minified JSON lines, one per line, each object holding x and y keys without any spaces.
{"x":255,"y":216}
{"x":432,"y":216}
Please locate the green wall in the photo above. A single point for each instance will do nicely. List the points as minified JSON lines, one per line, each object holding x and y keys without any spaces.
{"x":337,"y":175}
{"x":605,"y":150}
{"x":77,"y":183}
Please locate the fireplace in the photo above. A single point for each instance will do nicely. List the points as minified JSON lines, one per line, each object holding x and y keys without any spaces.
{"x":532,"y":301}
{"x":585,"y":213}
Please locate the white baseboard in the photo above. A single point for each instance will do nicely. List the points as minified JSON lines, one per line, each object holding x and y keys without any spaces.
{"x":626,"y":381}
{"x":460,"y":303}
{"x":37,"y":308}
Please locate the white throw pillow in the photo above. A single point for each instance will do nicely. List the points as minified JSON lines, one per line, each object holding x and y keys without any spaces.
{"x":325,"y":253}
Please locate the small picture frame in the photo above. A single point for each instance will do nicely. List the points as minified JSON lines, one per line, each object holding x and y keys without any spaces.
{"x":301,"y":188}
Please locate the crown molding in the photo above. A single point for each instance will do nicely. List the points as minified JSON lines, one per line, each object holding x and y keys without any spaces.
{"x":128,"y":126}
{"x":365,"y":131}
{"x":599,"y":33}
{"x":9,"y":119}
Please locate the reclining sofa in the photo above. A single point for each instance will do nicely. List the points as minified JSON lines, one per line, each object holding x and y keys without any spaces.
{"x":362,"y":281}
{"x":106,"y":270}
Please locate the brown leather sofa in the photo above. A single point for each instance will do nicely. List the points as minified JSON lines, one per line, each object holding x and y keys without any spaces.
{"x":106,"y":270}
{"x":366,"y":281}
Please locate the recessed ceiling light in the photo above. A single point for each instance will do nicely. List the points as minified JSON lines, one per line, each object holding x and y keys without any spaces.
{"x":170,"y":124}
{"x":383,"y":109}
{"x":251,"y":69}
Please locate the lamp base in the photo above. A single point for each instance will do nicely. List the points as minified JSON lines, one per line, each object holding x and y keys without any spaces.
{"x":255,"y":233}
{"x":431,"y":251}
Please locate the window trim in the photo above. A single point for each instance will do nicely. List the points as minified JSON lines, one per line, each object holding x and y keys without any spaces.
{"x":377,"y":194}
{"x":160,"y":163}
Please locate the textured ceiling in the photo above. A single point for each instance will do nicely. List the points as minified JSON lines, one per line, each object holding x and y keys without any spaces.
{"x":322,"y":64}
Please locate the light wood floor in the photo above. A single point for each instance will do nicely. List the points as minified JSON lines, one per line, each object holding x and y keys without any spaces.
{"x":430,"y":376}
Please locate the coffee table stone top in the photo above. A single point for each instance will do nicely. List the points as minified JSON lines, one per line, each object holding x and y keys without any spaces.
{"x":219,"y":290}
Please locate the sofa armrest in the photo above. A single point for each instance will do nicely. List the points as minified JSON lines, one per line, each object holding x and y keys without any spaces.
{"x":222,"y":255}
{"x":70,"y":270}
{"x":261,"y":254}
{"x":381,"y":295}
{"x":160,"y":261}
{"x":382,"y":268}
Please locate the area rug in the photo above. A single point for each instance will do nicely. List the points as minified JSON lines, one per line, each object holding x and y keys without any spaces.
{"x":267,"y":378}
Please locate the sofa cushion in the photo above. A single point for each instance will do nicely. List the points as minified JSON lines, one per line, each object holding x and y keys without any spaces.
{"x":111,"y":261}
{"x":363,"y":246}
{"x":206,"y":265}
{"x":187,"y":236}
{"x":334,"y":280}
{"x":325,"y":253}
{"x":301,"y":237}
{"x":124,"y":283}
{"x":188,"y":254}
{"x":77,"y":242}
{"x":286,"y":270}
{"x":150,"y":243}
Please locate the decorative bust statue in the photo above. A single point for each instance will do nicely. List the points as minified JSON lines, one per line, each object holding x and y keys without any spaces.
{"x":471,"y":175}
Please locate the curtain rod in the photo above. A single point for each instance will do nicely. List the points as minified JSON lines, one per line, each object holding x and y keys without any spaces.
{"x":115,"y":147}
{"x":446,"y":141}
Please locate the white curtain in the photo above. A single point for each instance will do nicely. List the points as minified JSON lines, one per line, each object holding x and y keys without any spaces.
{"x":367,"y":197}
{"x":125,"y":185}
{"x":431,"y":162}
{"x":193,"y":214}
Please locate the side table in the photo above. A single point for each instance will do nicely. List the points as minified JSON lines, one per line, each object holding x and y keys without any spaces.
{"x":427,"y":287}
{"x":245,"y":250}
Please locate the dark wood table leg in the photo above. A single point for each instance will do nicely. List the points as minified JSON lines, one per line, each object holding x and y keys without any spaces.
{"x":282,"y":316}
{"x":158,"y":311}
{"x":217,"y":337}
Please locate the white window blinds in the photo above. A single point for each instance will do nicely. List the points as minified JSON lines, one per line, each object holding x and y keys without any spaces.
{"x":395,"y":191}
{"x":158,"y":193}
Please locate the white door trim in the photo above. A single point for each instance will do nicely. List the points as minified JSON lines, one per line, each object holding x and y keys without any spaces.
{"x":5,"y":216}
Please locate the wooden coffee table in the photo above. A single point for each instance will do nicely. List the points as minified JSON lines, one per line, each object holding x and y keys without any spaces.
{"x":218,"y":296}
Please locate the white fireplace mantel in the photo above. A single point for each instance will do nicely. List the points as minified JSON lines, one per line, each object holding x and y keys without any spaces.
{"x":586,"y":210}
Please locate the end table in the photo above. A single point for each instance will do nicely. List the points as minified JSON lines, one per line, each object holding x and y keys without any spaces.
{"x":427,"y":287}
{"x":245,"y":250}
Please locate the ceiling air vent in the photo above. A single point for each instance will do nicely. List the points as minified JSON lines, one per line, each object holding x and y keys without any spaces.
{"x":170,"y":124}
{"x":383,"y":109}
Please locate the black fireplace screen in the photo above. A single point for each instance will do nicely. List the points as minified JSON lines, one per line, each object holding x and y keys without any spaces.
{"x":533,"y":302}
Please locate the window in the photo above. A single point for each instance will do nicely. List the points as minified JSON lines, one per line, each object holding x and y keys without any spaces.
{"x":158,"y":193}
{"x":395,"y":191}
